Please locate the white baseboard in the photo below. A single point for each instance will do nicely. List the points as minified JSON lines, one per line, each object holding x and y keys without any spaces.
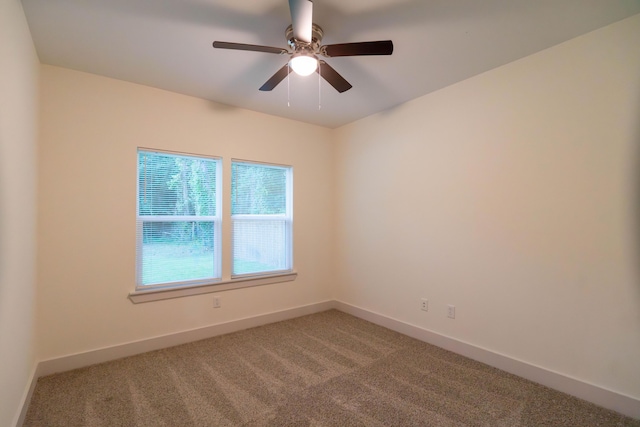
{"x":620,"y":403}
{"x":26,"y":398}
{"x":79,"y":360}
{"x":623,"y":404}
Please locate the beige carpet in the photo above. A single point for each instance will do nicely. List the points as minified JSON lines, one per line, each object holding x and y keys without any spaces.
{"x":327,"y":369}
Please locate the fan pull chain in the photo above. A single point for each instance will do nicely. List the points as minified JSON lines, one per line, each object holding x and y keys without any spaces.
{"x":288,"y":91}
{"x":319,"y":86}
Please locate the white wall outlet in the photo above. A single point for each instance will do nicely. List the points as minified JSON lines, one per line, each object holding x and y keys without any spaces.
{"x":216,"y":302}
{"x":424,"y":304}
{"x":451,"y":311}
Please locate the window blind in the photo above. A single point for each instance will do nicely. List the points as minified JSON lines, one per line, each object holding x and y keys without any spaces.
{"x":178,"y":224}
{"x":261,"y":209}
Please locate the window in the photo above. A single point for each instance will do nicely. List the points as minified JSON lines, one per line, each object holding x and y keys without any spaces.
{"x":178,"y":220}
{"x":261,"y":216}
{"x":179,"y":225}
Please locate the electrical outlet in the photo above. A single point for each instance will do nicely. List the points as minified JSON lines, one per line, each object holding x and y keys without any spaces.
{"x":424,"y":304}
{"x":451,"y":313}
{"x":216,"y":302}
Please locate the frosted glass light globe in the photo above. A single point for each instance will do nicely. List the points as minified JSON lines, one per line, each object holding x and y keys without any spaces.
{"x":303,"y":65}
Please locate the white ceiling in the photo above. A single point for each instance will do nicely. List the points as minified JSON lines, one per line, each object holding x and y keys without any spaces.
{"x":167,"y":44}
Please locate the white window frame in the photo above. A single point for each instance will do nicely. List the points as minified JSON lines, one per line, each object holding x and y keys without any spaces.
{"x":287,"y":217}
{"x":216,"y":219}
{"x":156,"y":292}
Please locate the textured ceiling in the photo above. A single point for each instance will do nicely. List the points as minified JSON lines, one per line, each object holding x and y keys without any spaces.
{"x":167,"y":44}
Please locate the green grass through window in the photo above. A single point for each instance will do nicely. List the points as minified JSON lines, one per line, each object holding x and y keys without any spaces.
{"x":167,"y":263}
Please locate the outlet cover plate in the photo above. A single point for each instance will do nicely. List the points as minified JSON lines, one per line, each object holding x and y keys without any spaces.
{"x":451,"y":311}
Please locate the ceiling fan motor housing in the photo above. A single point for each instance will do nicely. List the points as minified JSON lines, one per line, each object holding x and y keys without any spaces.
{"x":316,"y":39}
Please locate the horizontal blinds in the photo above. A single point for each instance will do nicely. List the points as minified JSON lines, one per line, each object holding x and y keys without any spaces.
{"x":261,"y":216}
{"x":176,"y":185}
{"x":260,"y":246}
{"x":258,"y":189}
{"x":178,"y":226}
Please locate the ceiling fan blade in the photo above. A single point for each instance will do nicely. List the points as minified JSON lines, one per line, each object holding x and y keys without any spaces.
{"x":276,"y":78}
{"x":332,"y":77}
{"x":382,"y":47}
{"x":250,"y":47}
{"x":301,"y":19}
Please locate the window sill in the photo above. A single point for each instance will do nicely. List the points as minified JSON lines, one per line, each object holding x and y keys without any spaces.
{"x":161,"y":294}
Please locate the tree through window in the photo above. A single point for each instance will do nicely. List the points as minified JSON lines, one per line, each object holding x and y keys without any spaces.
{"x":261,"y":214}
{"x":178,"y":220}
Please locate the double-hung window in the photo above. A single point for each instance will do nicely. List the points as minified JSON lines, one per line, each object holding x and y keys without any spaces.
{"x":261,"y":216}
{"x":178,"y":223}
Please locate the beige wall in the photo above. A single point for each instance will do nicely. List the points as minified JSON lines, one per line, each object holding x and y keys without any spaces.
{"x":18,"y":125}
{"x":90,"y":128}
{"x":513,"y":196}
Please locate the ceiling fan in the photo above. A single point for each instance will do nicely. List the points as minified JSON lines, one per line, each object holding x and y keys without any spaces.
{"x":304,"y":38}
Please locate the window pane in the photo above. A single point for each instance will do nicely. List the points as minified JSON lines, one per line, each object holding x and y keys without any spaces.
{"x":259,"y":246}
{"x":261,"y":216}
{"x":177,"y":251}
{"x":176,"y":185}
{"x":258,"y":189}
{"x":171,"y":247}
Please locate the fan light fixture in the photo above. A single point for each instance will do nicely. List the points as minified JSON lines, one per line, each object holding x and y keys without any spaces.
{"x":303,"y":65}
{"x":304,"y":46}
